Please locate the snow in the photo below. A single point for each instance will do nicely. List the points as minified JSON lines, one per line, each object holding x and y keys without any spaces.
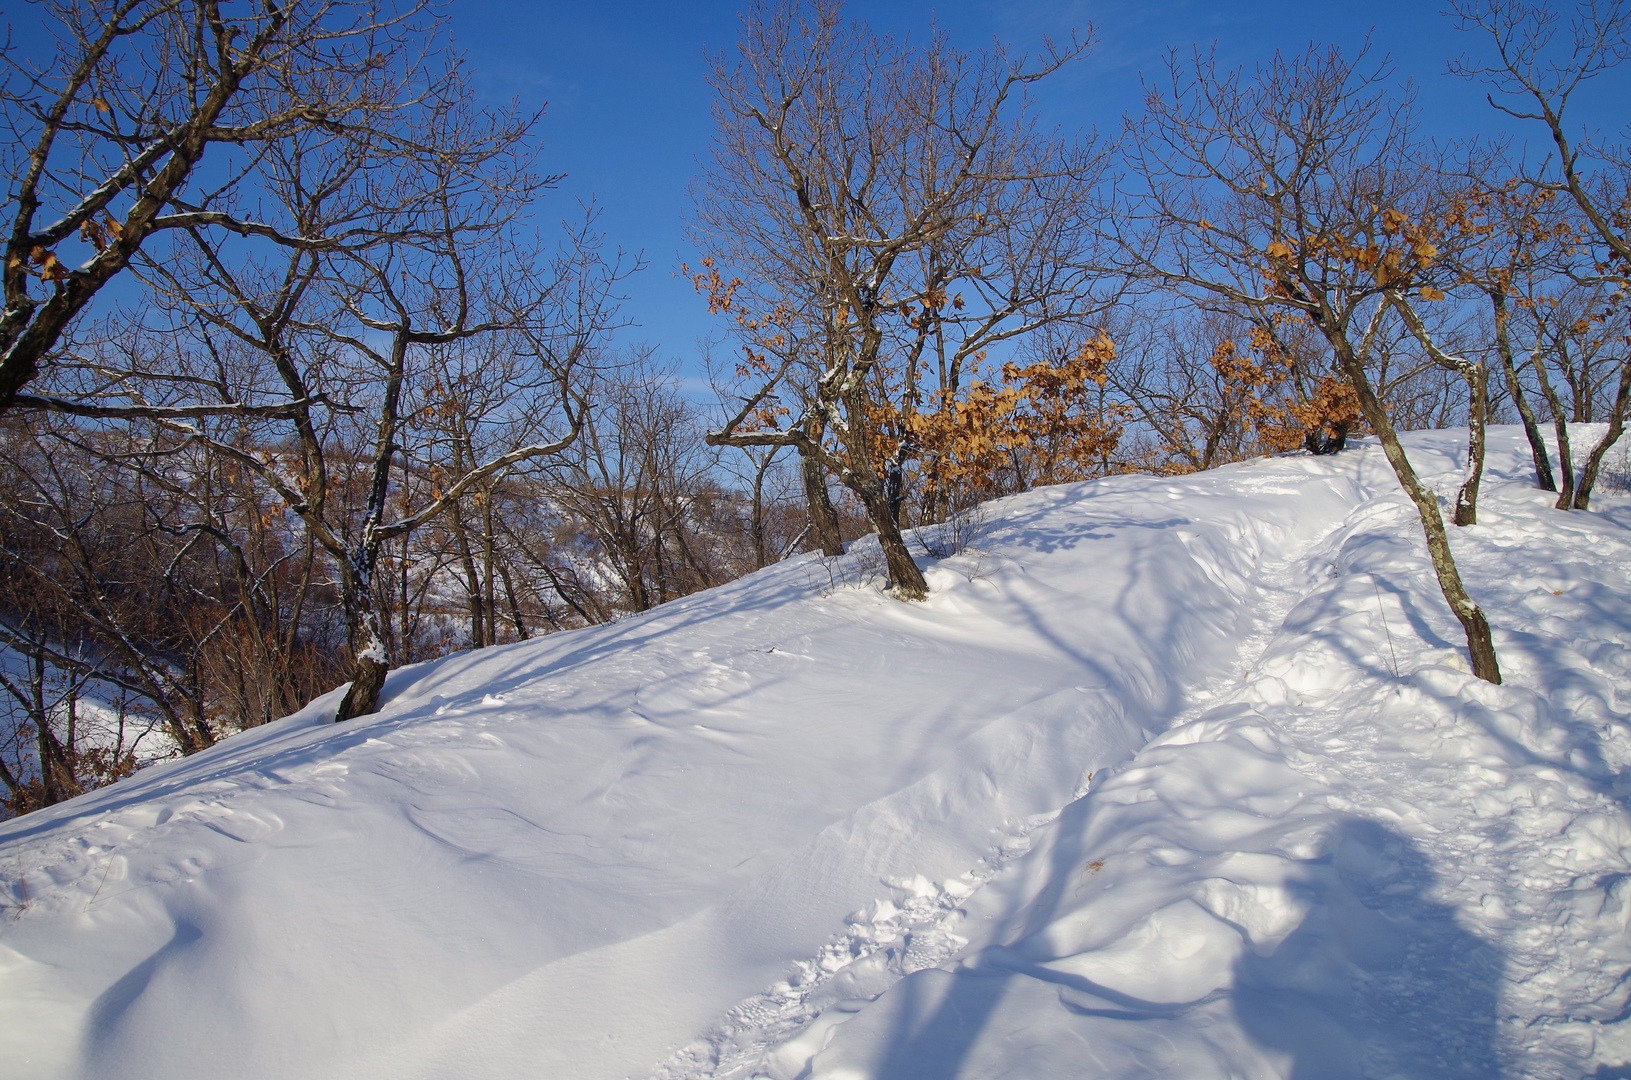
{"x":100,"y":722}
{"x":1179,"y":777}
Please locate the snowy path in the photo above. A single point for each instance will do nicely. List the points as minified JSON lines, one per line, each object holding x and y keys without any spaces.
{"x":1361,"y":862}
{"x":776,"y":1033}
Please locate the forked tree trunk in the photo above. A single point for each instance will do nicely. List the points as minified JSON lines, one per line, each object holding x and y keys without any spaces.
{"x":1480,"y":644}
{"x":906,"y":581}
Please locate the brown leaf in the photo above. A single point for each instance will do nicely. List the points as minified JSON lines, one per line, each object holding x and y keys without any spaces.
{"x":94,"y":233}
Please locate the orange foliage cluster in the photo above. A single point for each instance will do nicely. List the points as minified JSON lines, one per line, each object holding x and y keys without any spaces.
{"x":1035,"y":416}
{"x":1394,"y":249}
{"x":1038,"y":413}
{"x":1332,"y":409}
{"x":769,"y":332}
{"x":1260,"y":394}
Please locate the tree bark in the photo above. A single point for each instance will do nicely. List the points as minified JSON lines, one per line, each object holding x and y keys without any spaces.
{"x":1560,"y":423}
{"x":363,"y":696}
{"x":822,"y":515}
{"x":474,"y":597}
{"x":1514,"y":386}
{"x":1466,"y":499}
{"x":1480,"y":643}
{"x":906,"y":581}
{"x":510,"y":597}
{"x":366,"y":635}
{"x":1616,"y":425}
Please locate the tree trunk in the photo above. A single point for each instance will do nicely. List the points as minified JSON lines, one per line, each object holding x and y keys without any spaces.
{"x":472,"y":583}
{"x":1514,"y":386}
{"x":467,"y":560}
{"x":515,"y":604}
{"x":756,"y":524}
{"x":199,"y":735}
{"x":489,"y":583}
{"x":1616,"y":425}
{"x":57,"y":781}
{"x":1480,"y":644}
{"x":1466,"y":499}
{"x":906,"y":581}
{"x":366,"y":635}
{"x":363,"y":696}
{"x":823,"y":517}
{"x":1565,"y":453}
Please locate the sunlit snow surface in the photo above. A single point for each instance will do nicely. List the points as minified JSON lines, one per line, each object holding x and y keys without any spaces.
{"x":793,"y":828}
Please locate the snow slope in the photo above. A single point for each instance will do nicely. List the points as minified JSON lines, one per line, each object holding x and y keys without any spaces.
{"x":793,"y":828}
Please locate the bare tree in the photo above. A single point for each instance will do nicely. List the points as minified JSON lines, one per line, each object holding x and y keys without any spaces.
{"x":1212,"y":384}
{"x":95,"y":589}
{"x":1538,"y":65}
{"x":309,"y":351}
{"x":105,"y":137}
{"x":1295,"y":189}
{"x":889,"y":212}
{"x":635,"y":480}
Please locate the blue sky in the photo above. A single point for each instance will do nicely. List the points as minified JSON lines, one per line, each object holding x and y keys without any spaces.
{"x":628,"y":110}
{"x":628,"y":116}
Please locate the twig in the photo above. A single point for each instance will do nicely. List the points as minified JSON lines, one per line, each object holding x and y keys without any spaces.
{"x":99,"y":884}
{"x":1385,"y":629}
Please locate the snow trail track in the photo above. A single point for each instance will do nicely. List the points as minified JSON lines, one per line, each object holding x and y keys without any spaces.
{"x":1358,"y":862}
{"x":775,"y":1033}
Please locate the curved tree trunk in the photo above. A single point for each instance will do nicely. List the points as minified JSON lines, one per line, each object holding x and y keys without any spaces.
{"x":363,"y":696}
{"x":1514,"y":386}
{"x":1616,"y":425}
{"x":1480,"y":644}
{"x":906,"y":581}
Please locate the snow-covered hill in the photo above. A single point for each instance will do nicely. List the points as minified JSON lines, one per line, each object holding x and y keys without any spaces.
{"x":1169,"y":777}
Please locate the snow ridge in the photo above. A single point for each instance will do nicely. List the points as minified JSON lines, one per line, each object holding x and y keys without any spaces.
{"x":1172,"y":777}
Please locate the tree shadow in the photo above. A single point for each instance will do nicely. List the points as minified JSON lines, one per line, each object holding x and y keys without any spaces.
{"x":1378,"y":979}
{"x":943,"y":1014}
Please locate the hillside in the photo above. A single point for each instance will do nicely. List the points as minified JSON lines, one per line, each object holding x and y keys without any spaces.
{"x":1175,"y":777}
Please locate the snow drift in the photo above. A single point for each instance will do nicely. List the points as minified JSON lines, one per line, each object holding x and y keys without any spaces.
{"x":1169,"y":777}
